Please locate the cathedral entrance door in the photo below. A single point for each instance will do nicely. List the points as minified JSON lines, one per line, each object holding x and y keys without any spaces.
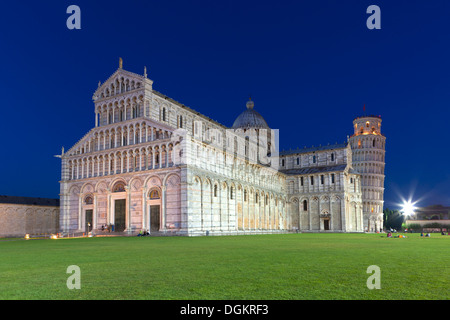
{"x":154,"y":218}
{"x":119,"y":215}
{"x":326,"y":224}
{"x":88,"y":220}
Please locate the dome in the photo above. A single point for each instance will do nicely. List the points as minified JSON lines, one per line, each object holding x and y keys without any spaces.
{"x":250,"y":119}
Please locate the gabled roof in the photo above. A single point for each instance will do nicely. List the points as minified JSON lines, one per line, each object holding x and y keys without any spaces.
{"x":113,"y":126}
{"x":117,"y":74}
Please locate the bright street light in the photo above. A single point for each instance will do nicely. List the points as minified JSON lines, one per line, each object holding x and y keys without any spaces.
{"x":408,"y":208}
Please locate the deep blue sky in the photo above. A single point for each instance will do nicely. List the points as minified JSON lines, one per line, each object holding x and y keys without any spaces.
{"x":309,"y":66}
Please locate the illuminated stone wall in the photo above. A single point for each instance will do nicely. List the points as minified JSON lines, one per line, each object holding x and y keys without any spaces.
{"x":16,"y":220}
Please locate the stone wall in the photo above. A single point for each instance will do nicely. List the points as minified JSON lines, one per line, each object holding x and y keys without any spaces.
{"x":16,"y":220}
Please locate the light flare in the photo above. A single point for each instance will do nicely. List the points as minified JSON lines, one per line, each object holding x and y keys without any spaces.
{"x":408,"y":208}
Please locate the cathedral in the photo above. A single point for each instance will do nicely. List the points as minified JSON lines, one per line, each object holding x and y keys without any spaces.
{"x":154,"y":164}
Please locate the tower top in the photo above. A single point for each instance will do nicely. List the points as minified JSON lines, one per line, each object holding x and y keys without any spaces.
{"x":365,"y":115}
{"x":250,"y":119}
{"x":250,"y":104}
{"x":367,"y":125}
{"x":369,"y":116}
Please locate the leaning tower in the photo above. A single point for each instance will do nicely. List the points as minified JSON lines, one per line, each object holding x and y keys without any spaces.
{"x":368,"y":151}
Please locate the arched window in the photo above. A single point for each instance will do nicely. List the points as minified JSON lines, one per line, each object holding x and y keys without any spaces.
{"x":256,"y":198}
{"x":154,"y":194}
{"x":88,"y":200}
{"x":164,"y":114}
{"x":298,"y":161}
{"x":181,"y":121}
{"x":305,"y":205}
{"x":314,"y":159}
{"x":373,"y":143}
{"x":119,"y":187}
{"x":215,"y":190}
{"x":232,"y":193}
{"x":332,"y":156}
{"x":245,"y":195}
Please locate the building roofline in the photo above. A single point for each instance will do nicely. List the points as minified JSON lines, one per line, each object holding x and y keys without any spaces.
{"x":369,"y":116}
{"x":29,"y":201}
{"x":314,"y":149}
{"x":162,"y":95}
{"x":315,"y":170}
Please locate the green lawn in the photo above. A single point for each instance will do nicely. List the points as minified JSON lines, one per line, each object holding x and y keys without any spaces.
{"x":274,"y":267}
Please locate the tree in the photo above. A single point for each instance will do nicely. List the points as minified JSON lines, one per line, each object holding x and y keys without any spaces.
{"x":392,"y":219}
